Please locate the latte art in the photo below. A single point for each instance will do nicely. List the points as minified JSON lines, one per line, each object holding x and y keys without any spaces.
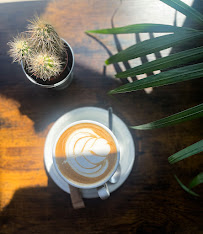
{"x":85,"y":153}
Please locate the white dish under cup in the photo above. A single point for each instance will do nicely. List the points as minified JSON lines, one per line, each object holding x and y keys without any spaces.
{"x":122,"y":134}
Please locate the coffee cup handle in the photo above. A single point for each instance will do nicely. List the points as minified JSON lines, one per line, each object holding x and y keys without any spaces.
{"x":103,"y":191}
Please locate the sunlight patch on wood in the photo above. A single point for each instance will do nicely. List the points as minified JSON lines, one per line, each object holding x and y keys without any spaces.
{"x":21,"y":152}
{"x":142,"y":76}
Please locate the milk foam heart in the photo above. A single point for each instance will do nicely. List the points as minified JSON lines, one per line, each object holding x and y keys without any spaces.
{"x":86,"y":152}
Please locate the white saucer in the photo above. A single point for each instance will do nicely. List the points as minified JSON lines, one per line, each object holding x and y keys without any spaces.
{"x":120,"y":130}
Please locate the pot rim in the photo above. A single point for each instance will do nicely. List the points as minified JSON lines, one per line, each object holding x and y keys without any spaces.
{"x":58,"y":83}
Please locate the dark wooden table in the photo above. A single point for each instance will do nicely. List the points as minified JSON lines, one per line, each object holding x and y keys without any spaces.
{"x":150,"y":201}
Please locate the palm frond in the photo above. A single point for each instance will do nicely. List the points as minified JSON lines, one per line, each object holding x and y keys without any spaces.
{"x":164,"y":78}
{"x":141,"y":28}
{"x":163,"y":63}
{"x":196,"y":180}
{"x":189,"y":114}
{"x":187,"y":152}
{"x":186,"y":188}
{"x":185,"y":9}
{"x":153,"y":45}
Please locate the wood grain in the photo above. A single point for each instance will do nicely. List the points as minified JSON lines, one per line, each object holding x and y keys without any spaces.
{"x":150,"y":201}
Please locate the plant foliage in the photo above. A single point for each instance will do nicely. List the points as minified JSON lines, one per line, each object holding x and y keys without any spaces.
{"x":179,"y":35}
{"x":40,"y":49}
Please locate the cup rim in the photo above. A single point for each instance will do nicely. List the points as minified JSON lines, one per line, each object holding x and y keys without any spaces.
{"x":100,"y":183}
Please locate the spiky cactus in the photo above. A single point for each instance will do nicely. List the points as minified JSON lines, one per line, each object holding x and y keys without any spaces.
{"x":43,"y":36}
{"x":44,"y":66}
{"x":19,"y":48}
{"x":40,"y":48}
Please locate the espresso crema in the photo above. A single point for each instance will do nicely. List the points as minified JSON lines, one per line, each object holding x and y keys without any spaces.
{"x":85,"y":154}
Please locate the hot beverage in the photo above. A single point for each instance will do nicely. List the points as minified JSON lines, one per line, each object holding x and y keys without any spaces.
{"x":86,"y":154}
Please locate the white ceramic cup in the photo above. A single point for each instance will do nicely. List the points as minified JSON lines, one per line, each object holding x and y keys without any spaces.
{"x":101,"y":185}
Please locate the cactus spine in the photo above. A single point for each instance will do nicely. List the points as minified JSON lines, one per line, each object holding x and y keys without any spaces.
{"x":40,"y":48}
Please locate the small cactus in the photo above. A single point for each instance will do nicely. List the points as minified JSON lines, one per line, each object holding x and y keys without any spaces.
{"x":40,"y":48}
{"x":44,"y":66}
{"x":43,"y":36}
{"x":19,"y":48}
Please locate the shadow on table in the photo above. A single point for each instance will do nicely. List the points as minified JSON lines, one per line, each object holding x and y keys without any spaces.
{"x":128,"y":210}
{"x":49,"y":209}
{"x":42,"y":106}
{"x":89,"y":88}
{"x":132,"y":207}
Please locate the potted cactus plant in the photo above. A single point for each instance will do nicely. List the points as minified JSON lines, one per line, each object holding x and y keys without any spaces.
{"x":46,"y":59}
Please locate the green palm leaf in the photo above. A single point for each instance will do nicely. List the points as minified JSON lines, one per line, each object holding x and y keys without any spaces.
{"x":196,"y":180}
{"x":186,"y":188}
{"x":165,"y":62}
{"x":185,"y":9}
{"x":179,"y":36}
{"x":189,"y":114}
{"x":140,"y":28}
{"x":187,"y":152}
{"x":164,"y":78}
{"x":153,"y":45}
